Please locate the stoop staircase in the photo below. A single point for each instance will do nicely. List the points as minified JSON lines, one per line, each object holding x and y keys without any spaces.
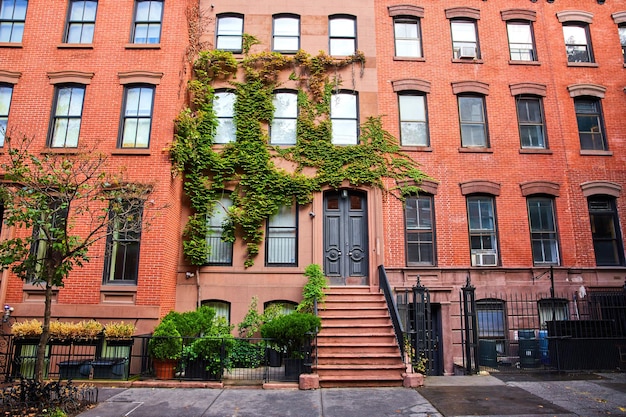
{"x":356,"y":345}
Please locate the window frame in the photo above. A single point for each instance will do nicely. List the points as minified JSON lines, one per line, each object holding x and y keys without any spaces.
{"x":82,"y":23}
{"x":222,"y":120}
{"x":219,"y":35}
{"x":340,"y":37}
{"x":485,"y":129}
{"x":532,"y":52}
{"x":222,"y":306}
{"x":541,"y":125}
{"x":598,"y":139}
{"x":611,"y":214}
{"x":138,"y":117}
{"x":4,"y":116}
{"x":278,"y":17}
{"x":13,"y":22}
{"x":148,"y":23}
{"x":424,"y":122}
{"x":131,"y":238}
{"x":275,"y":229}
{"x":570,"y":47}
{"x":457,"y":51}
{"x":226,"y":250}
{"x":58,"y":217}
{"x":420,"y":231}
{"x":292,"y":119}
{"x":482,"y":232}
{"x":405,"y":19}
{"x":56,"y":118}
{"x":337,"y":97}
{"x":543,"y":234}
{"x":493,"y":332}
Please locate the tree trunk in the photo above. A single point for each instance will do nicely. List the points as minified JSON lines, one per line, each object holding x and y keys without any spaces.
{"x":45,"y":335}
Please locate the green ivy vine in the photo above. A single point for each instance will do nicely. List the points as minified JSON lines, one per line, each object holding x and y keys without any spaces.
{"x":246,"y":166}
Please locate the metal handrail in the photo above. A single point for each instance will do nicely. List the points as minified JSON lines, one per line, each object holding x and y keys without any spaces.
{"x":383,"y":284}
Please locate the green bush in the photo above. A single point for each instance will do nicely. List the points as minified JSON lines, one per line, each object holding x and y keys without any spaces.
{"x":291,"y":331}
{"x":166,"y":342}
{"x":192,"y":323}
{"x":247,"y":355}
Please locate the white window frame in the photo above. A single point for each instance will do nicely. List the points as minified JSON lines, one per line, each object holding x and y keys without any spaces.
{"x":404,"y":42}
{"x":224,"y":108}
{"x":229,"y":29}
{"x":284,"y":35}
{"x":342,"y":35}
{"x":413,"y":119}
{"x":344,"y":116}
{"x":283,"y":130}
{"x":521,"y":40}
{"x":464,"y":41}
{"x":281,"y":237}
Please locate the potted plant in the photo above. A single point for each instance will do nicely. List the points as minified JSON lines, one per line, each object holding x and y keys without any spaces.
{"x":165,"y":348}
{"x":119,"y":333}
{"x":207,"y":356}
{"x":293,"y":333}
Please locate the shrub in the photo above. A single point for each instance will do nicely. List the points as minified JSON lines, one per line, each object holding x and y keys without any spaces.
{"x":246,"y":355}
{"x":90,"y":329}
{"x":291,"y":331}
{"x":166,"y":342}
{"x":192,"y":323}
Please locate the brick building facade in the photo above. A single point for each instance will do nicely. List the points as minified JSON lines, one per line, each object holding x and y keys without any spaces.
{"x":513,"y":109}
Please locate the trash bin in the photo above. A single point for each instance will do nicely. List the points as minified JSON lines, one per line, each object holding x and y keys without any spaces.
{"x":109,"y":368}
{"x":487,"y":355}
{"x":74,"y":369}
{"x":544,"y":354}
{"x":528,"y":349}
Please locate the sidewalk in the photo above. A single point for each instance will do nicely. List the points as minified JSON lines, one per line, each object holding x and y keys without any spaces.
{"x":595,"y":395}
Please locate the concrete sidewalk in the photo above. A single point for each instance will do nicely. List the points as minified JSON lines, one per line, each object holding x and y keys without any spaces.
{"x":600,"y":394}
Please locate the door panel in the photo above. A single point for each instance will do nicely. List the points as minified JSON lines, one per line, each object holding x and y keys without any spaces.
{"x":345,"y":238}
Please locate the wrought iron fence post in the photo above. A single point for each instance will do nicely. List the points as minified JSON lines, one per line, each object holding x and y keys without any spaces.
{"x":470,"y":325}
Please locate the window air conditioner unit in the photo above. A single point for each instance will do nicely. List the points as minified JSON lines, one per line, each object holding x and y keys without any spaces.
{"x":484,"y":258}
{"x":467,"y":52}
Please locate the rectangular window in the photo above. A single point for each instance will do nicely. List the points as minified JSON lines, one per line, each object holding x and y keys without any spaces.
{"x":81,"y":21}
{"x":286,"y":37}
{"x":230,"y":33}
{"x":344,"y":118}
{"x":12,"y":19}
{"x":137,"y":117}
{"x":224,"y":108}
{"x":590,"y":124}
{"x":605,"y":231}
{"x":419,"y":217}
{"x":530,"y":120}
{"x":342,"y":33}
{"x":6,"y":91}
{"x":148,"y":15}
{"x":222,"y":308}
{"x":413,"y":123}
{"x":543,"y":236}
{"x":220,"y":251}
{"x":464,"y":39}
{"x":283,"y":129}
{"x":492,"y":322}
{"x":66,"y":117}
{"x":577,"y":43}
{"x":521,"y":44}
{"x":622,"y":40}
{"x":473,"y":121}
{"x":407,"y":37}
{"x":482,"y":231}
{"x":51,"y":229}
{"x":124,"y":236}
{"x":282,"y":237}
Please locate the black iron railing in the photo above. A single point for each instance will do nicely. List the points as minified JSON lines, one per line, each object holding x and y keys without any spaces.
{"x":384,"y":286}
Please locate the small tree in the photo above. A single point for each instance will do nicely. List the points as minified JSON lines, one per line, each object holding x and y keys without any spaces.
{"x":53,"y":195}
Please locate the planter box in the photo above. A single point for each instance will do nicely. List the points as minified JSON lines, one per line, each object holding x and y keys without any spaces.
{"x":293,"y":368}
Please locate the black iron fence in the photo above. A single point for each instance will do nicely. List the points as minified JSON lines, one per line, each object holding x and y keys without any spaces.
{"x":536,"y":331}
{"x":205,"y":359}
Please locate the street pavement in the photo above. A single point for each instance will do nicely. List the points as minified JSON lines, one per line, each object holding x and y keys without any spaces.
{"x":511,"y":395}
